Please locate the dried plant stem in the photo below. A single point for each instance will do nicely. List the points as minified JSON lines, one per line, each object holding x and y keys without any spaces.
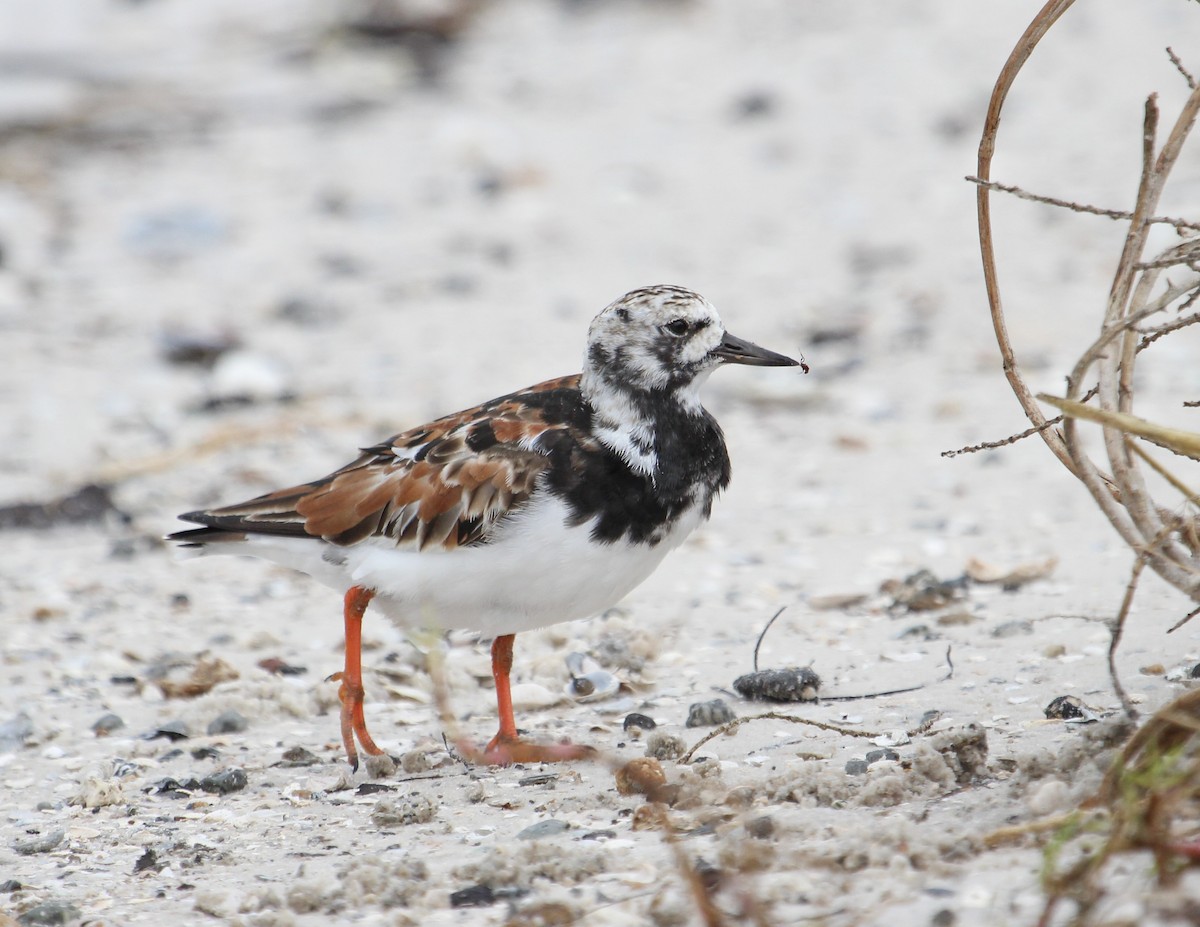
{"x":1117,"y":631}
{"x":1180,"y":225}
{"x":1046,"y":18}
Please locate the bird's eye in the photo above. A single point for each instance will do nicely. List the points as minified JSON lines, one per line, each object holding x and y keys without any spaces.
{"x":677,"y":327}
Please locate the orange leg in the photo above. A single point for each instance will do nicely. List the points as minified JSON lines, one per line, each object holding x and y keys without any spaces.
{"x":506,"y":747}
{"x":350,"y":694}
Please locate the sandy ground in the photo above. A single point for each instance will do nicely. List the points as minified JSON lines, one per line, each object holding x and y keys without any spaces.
{"x":393,"y":229}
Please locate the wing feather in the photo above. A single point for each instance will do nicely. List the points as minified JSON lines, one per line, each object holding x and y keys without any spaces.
{"x":440,"y":486}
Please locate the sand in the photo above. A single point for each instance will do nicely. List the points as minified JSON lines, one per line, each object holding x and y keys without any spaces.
{"x":365,"y":233}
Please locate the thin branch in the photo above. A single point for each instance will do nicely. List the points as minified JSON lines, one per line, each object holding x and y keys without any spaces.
{"x":1180,"y":225}
{"x":1187,"y":75}
{"x":1004,"y":442}
{"x":1118,"y":628}
{"x":1046,"y":17}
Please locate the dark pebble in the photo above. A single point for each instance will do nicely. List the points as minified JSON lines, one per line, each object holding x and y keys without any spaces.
{"x":919,"y":632}
{"x":147,"y":862}
{"x":170,"y":755}
{"x":89,"y":503}
{"x":225,"y":781}
{"x":793,"y":684}
{"x":547,"y":828}
{"x":753,"y":104}
{"x":641,"y":722}
{"x":49,"y":913}
{"x":710,"y":875}
{"x":1064,"y":707}
{"x":538,"y":779}
{"x":943,"y":918}
{"x":172,"y":731}
{"x":299,"y":756}
{"x":106,"y":724}
{"x":1012,"y":629}
{"x":278,"y":667}
{"x":15,"y":731}
{"x":206,"y":753}
{"x":874,"y":756}
{"x":228,"y":722}
{"x":43,"y":843}
{"x":856,"y":767}
{"x":1195,"y":672}
{"x":477,"y":896}
{"x":761,"y":828}
{"x":173,"y":788}
{"x":710,"y":713}
{"x":8,"y":886}
{"x":199,"y":350}
{"x":374,"y":788}
{"x":599,"y":835}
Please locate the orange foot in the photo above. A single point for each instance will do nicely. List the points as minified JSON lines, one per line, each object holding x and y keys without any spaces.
{"x":505,"y":751}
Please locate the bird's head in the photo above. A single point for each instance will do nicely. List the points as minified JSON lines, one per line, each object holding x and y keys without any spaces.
{"x":665,"y":339}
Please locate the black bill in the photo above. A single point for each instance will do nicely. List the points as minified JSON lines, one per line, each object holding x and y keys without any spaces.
{"x":733,"y":350}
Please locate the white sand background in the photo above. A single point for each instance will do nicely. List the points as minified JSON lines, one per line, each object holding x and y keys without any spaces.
{"x":387,"y":251}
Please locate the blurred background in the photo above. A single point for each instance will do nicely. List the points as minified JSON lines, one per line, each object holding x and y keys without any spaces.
{"x":293,"y":227}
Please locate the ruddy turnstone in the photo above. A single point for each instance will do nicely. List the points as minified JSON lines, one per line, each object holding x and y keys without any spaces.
{"x":545,"y":505}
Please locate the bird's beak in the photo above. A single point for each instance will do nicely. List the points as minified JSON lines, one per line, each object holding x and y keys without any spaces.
{"x":733,"y":350}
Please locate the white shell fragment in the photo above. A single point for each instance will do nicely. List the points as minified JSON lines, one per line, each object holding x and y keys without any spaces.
{"x":589,"y":683}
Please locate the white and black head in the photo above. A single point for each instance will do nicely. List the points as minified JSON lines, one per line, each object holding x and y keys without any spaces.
{"x":665,"y":339}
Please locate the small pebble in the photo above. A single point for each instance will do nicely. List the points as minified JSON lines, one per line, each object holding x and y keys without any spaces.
{"x":641,"y":776}
{"x":1065,"y":707}
{"x":43,"y":843}
{"x":8,"y":886}
{"x":49,"y":913}
{"x":664,"y":746}
{"x":298,"y":756}
{"x":1194,"y":673}
{"x":761,"y":828}
{"x":547,"y":828}
{"x":106,"y":724}
{"x":206,"y":753}
{"x":856,"y":767}
{"x":225,"y":781}
{"x":279,"y":667}
{"x":172,"y":731}
{"x":228,"y":722}
{"x":637,"y":722}
{"x":794,"y":684}
{"x":147,"y":862}
{"x":709,"y":714}
{"x":173,"y":788}
{"x":874,"y":756}
{"x":1154,"y":669}
{"x":1012,"y":629}
{"x":415,"y":761}
{"x":476,"y":896}
{"x":538,"y":779}
{"x":412,"y":809}
{"x":380,"y":766}
{"x":15,"y":731}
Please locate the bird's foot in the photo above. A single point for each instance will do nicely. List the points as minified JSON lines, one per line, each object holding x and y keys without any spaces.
{"x":354,"y":723}
{"x":505,"y":750}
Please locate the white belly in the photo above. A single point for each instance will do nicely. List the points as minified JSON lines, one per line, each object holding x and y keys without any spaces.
{"x":534,"y":573}
{"x":537,"y":572}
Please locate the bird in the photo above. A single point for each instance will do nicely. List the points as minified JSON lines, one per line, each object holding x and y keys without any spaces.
{"x":545,"y":505}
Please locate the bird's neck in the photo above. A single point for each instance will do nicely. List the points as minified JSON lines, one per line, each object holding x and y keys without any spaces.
{"x":630,"y":421}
